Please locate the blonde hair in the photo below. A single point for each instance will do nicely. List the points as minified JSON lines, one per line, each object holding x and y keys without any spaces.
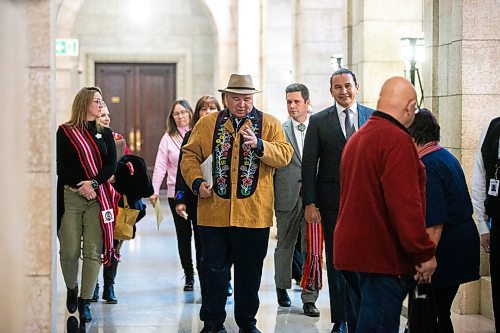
{"x":81,"y":103}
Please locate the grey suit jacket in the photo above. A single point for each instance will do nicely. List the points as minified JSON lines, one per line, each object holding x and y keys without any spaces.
{"x":288,"y":180}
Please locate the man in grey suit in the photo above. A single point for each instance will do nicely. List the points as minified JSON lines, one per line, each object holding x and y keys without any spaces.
{"x":288,"y":202}
{"x":326,"y":137}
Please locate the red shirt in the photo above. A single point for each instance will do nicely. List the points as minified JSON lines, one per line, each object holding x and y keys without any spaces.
{"x":381,"y":221}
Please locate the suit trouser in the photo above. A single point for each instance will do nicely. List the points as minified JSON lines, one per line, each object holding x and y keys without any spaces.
{"x":337,"y":286}
{"x":246,"y":248}
{"x":495,"y":270}
{"x":289,"y":224}
{"x":81,"y":218}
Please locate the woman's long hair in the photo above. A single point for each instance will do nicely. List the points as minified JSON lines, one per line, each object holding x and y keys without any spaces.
{"x":204,"y":101}
{"x":171,"y":126}
{"x":83,"y":100}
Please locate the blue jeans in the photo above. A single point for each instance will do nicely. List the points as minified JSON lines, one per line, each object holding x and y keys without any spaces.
{"x":246,"y":248}
{"x":377,"y":300}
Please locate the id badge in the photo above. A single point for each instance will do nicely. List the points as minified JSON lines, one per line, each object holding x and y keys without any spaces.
{"x":108,"y":216}
{"x":493,"y":189}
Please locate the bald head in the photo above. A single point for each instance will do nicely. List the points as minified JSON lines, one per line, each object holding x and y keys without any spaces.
{"x":398,"y":99}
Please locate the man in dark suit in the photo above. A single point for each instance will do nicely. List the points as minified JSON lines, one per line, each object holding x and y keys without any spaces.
{"x":288,"y":200}
{"x":326,"y":137}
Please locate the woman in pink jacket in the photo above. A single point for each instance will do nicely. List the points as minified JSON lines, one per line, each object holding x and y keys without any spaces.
{"x":167,"y":158}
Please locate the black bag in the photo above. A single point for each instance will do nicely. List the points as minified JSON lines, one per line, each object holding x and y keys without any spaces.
{"x":421,"y":314}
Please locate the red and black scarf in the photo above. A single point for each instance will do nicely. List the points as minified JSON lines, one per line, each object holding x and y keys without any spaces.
{"x":91,"y":161}
{"x":312,"y":276}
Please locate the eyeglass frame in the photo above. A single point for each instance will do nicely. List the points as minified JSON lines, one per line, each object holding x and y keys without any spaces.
{"x":179,"y":113}
{"x":100,"y":102}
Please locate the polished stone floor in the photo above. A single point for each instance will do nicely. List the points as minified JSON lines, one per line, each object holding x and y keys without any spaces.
{"x":150,"y":297}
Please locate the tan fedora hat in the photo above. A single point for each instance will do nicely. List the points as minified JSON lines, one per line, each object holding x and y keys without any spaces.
{"x":240,"y":84}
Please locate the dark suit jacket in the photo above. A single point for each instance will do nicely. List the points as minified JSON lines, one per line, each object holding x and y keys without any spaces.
{"x":323,"y":148}
{"x":287,"y":180}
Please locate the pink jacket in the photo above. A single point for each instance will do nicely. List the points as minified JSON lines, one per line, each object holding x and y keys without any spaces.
{"x":166,"y":162}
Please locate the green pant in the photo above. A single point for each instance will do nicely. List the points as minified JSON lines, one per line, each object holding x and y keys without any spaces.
{"x":80,"y":220}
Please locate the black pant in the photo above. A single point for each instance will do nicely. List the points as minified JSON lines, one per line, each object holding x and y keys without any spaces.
{"x":443,"y":297}
{"x":495,"y":270}
{"x":337,"y":286}
{"x":246,"y":248}
{"x":184,"y":234}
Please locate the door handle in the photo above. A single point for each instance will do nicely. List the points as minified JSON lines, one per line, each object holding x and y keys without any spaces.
{"x":138,"y":140}
{"x":131,"y":140}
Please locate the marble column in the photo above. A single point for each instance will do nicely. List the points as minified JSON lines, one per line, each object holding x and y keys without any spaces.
{"x":463,"y":88}
{"x":373,"y":45}
{"x":318,"y":34}
{"x":40,"y":158}
{"x":13,"y":238}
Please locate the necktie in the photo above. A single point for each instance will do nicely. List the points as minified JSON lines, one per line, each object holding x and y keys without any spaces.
{"x":349,"y":126}
{"x":301,"y":128}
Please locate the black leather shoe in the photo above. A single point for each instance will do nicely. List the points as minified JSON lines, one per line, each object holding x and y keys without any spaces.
{"x":109,"y":294}
{"x":189,"y":285}
{"x":252,"y":329}
{"x":72,"y":325}
{"x":84,"y":309}
{"x":211,"y":329}
{"x":310,"y":309}
{"x":339,"y":327}
{"x":95,"y":297}
{"x":72,"y":299}
{"x":283,"y":299}
{"x":229,"y":289}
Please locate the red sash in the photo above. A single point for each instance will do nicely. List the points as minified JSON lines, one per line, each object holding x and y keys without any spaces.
{"x":428,"y":148}
{"x":312,"y":276}
{"x":91,"y":161}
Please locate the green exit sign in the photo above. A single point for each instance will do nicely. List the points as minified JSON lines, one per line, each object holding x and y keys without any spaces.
{"x":67,"y":47}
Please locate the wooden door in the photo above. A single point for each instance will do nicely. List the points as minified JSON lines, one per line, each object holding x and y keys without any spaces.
{"x":139,"y":97}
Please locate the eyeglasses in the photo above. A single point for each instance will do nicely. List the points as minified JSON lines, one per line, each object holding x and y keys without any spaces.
{"x":178,"y":114}
{"x":100,"y":102}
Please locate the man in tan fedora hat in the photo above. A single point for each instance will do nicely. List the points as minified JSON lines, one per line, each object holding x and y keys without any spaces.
{"x":235,"y":214}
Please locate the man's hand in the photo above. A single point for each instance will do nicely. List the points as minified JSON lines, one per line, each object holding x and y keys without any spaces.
{"x":249,"y":137}
{"x":425,"y":270}
{"x":485,"y":242}
{"x":153,"y":199}
{"x":205,"y":190}
{"x":312,"y":214}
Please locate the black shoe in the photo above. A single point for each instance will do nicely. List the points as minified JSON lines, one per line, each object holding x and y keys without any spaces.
{"x":72,"y":299}
{"x":84,"y":309}
{"x":72,"y":325}
{"x":283,"y":299}
{"x":339,"y":327}
{"x":252,"y":329}
{"x":109,"y":294}
{"x":211,"y":329}
{"x":95,"y":297}
{"x":229,"y":289}
{"x":188,"y":286}
{"x":310,"y":309}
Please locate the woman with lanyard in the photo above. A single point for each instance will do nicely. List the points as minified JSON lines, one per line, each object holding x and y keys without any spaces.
{"x":167,"y":158}
{"x":86,"y":202}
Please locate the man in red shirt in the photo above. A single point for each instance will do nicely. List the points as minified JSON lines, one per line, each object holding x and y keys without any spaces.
{"x":381,"y":244}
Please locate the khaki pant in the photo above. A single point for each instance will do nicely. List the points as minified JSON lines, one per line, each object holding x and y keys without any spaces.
{"x":80,"y":220}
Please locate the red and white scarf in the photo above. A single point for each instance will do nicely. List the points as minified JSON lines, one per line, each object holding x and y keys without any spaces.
{"x":312,"y":276}
{"x":91,"y":161}
{"x":428,"y":148}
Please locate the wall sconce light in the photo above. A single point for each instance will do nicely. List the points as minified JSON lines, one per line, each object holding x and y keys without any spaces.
{"x":336,"y":61}
{"x":413,"y":52}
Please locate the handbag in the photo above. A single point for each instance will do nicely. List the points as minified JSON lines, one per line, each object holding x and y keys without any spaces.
{"x":124,"y":226}
{"x":421,"y":315}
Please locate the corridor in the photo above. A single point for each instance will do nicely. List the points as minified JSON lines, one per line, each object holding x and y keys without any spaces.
{"x":150,"y":297}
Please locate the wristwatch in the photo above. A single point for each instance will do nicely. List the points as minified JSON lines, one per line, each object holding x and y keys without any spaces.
{"x":94,"y":183}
